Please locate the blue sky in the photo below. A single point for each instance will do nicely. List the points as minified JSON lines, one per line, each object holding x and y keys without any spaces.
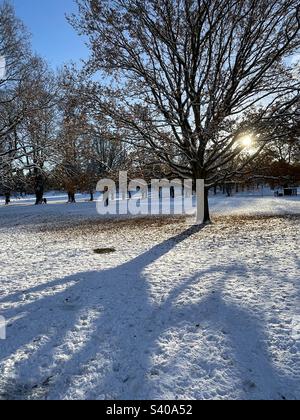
{"x":52,"y":36}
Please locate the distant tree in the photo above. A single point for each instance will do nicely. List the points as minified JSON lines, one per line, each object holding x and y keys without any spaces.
{"x":278,"y":163}
{"x":182,"y":75}
{"x":38,"y":129}
{"x":72,"y":130}
{"x":86,"y":150}
{"x":286,"y":148}
{"x":100,"y":156}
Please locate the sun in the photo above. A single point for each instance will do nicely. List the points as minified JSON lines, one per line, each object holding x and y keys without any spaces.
{"x":247,"y":141}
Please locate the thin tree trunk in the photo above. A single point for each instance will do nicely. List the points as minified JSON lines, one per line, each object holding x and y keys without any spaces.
{"x":71,"y":197}
{"x":207,"y":219}
{"x":106,"y":197}
{"x":7,"y":198}
{"x":172,"y":192}
{"x":229,"y":190}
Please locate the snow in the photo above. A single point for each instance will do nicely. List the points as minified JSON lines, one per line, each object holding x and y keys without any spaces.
{"x":262,"y":206}
{"x":177,"y":312}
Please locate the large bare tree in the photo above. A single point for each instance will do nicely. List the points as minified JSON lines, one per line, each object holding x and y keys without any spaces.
{"x":27,"y":99}
{"x":15,"y":57}
{"x":182,"y":74}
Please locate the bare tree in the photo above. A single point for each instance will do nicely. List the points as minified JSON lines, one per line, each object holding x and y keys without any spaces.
{"x":287,"y":148}
{"x":86,"y":149}
{"x":101,"y":156}
{"x":15,"y":56}
{"x":182,"y":74}
{"x":26,"y":98}
{"x":38,"y":130}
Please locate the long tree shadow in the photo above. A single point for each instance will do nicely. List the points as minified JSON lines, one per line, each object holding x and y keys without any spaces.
{"x":98,"y":338}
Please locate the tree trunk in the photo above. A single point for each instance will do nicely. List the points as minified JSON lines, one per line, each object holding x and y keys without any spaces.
{"x":39,"y":197}
{"x":7,"y":198}
{"x":39,"y":191}
{"x":229,"y":190}
{"x":206,"y":207}
{"x":172,"y":193}
{"x":106,"y":197}
{"x":71,"y":197}
{"x":202,"y":193}
{"x":39,"y":186}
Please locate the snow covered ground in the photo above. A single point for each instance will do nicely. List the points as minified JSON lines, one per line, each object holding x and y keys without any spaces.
{"x":175,"y":313}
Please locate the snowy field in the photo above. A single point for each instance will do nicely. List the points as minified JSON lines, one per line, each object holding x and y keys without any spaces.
{"x":176,"y":312}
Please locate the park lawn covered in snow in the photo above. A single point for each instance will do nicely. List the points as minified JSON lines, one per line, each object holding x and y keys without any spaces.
{"x":176,"y":312}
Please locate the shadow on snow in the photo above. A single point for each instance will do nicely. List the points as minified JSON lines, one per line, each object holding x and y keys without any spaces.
{"x":120,"y":328}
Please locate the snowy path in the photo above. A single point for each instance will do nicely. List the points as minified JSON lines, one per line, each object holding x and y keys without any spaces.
{"x":174,"y":313}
